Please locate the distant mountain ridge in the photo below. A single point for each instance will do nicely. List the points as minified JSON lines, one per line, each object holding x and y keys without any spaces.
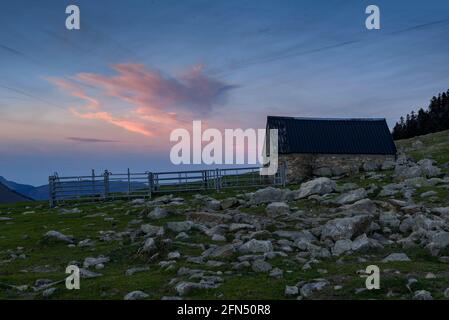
{"x":42,"y":192}
{"x":8,"y":195}
{"x":36,"y":193}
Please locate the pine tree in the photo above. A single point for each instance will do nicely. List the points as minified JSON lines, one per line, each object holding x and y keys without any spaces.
{"x":434,"y":119}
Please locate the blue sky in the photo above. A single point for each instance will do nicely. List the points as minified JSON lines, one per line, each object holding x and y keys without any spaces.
{"x":228,"y":63}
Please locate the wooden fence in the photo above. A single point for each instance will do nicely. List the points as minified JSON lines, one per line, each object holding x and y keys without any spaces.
{"x":129,"y":185}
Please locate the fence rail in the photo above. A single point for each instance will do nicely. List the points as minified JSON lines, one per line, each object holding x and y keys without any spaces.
{"x":140,"y":185}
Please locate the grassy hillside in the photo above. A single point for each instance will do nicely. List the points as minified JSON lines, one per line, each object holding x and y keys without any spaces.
{"x":435,"y":146}
{"x":26,"y":257}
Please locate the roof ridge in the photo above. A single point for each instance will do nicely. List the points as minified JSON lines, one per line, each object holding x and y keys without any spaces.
{"x":328,"y":119}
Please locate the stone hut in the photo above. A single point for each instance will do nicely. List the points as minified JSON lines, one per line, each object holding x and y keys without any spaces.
{"x":332,"y":147}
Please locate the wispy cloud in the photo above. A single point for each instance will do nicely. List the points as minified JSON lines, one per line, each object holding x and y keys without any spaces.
{"x":158,"y":101}
{"x":90,"y":140}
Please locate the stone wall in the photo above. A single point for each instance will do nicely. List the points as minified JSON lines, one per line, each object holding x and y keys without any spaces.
{"x":302,"y":166}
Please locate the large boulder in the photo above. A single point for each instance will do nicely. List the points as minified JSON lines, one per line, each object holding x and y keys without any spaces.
{"x":370,"y":166}
{"x":152,"y":231}
{"x":208,"y":217}
{"x":158,"y":213}
{"x":388,"y":165}
{"x":439,"y":240}
{"x":308,"y":289}
{"x":352,"y":196}
{"x":213,"y":204}
{"x":341,"y":246}
{"x":443,"y":211}
{"x":397,"y":257}
{"x":304,"y":235}
{"x":256,"y":246}
{"x":345,"y":228}
{"x":268,"y":195}
{"x":406,"y":172}
{"x":428,"y":169}
{"x":363,"y":206}
{"x":224,"y":251}
{"x":179,"y":226}
{"x":229,"y":203}
{"x":389,"y":219}
{"x":261,"y":266}
{"x":92,"y":261}
{"x":136,"y":295}
{"x":149,"y":246}
{"x":57,"y":236}
{"x":277,"y":209}
{"x":319,"y":186}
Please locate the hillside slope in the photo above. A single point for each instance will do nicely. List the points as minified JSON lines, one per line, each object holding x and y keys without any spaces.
{"x":313,"y":241}
{"x":36,"y":193}
{"x":10,"y":196}
{"x":434,"y":146}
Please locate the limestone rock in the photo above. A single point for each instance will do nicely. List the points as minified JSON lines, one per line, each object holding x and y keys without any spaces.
{"x":57,"y":236}
{"x":345,"y":228}
{"x":179,"y":226}
{"x":261,"y":266}
{"x":268,"y":195}
{"x":291,"y":291}
{"x":319,"y":186}
{"x":277,"y":209}
{"x":396,"y":257}
{"x":158,"y":213}
{"x":256,"y":246}
{"x":136,"y":295}
{"x":352,"y":196}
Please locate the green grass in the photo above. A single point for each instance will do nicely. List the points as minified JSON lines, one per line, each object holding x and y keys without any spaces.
{"x":436,"y":146}
{"x":30,"y":221}
{"x":114,"y":284}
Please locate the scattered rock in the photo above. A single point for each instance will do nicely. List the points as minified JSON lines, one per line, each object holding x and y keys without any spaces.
{"x":345,"y":228}
{"x":291,"y":291}
{"x":261,"y":266}
{"x":276,"y":273}
{"x":256,"y":246}
{"x":152,"y":231}
{"x":179,"y":226}
{"x":422,"y":295}
{"x":48,"y":292}
{"x":57,"y":236}
{"x":158,"y":213}
{"x":277,"y":208}
{"x":319,"y":186}
{"x":92,"y":262}
{"x":341,"y":246}
{"x":229,"y":203}
{"x":136,"y":295}
{"x":309,"y":288}
{"x":396,"y":257}
{"x":135,"y":270}
{"x":267,"y":195}
{"x":351,"y":196}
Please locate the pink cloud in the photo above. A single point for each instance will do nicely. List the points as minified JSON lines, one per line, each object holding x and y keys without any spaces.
{"x":158,"y":102}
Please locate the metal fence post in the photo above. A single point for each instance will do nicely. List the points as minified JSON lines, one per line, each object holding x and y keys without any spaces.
{"x":217,"y":180}
{"x":51,"y":192}
{"x":106,"y":184}
{"x":93,"y":182}
{"x":150,"y":183}
{"x":205,"y":179}
{"x":129,"y":183}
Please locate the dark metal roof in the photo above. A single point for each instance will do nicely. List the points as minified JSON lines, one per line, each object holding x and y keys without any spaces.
{"x":334,"y":136}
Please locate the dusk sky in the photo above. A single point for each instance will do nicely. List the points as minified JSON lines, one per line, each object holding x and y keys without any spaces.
{"x":108,"y":95}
